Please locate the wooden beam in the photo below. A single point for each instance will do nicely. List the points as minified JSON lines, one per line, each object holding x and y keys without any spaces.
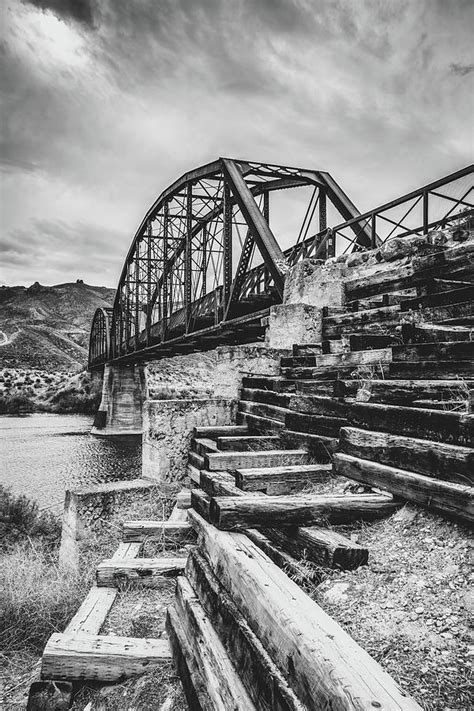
{"x":146,"y":572}
{"x":323,"y":664}
{"x":92,"y":613}
{"x":448,"y":498}
{"x":261,"y":511}
{"x":248,"y":443}
{"x":282,"y":480}
{"x":100,"y":658}
{"x":245,"y":460}
{"x":321,"y":546}
{"x":176,"y":531}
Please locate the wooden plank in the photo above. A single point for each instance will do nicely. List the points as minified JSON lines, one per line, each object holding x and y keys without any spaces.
{"x":92,"y":613}
{"x":263,"y":410}
{"x":317,"y":405}
{"x":183,"y":499}
{"x":263,"y":680}
{"x":435,"y":459}
{"x":453,"y":499}
{"x":196,"y":460}
{"x":296,"y":569}
{"x":431,"y":332}
{"x":449,"y":427}
{"x":146,"y":572}
{"x":323,"y":664}
{"x":203,"y":446}
{"x":247,"y":460}
{"x":127,"y":550}
{"x":319,"y":447}
{"x":263,"y":425}
{"x":369,"y":357}
{"x":404,"y":392}
{"x":216,"y":483}
{"x":261,"y":511}
{"x":459,"y":350}
{"x":453,"y":314}
{"x":186,"y":664}
{"x":212,"y":432}
{"x":248,"y":443}
{"x":281,"y":480}
{"x":176,"y":531}
{"x":443,"y":298}
{"x":100,"y":658}
{"x":320,"y":388}
{"x":362,"y":342}
{"x":314,"y":424}
{"x":193,"y":473}
{"x":266,"y":382}
{"x":432,"y":369}
{"x":321,"y":546}
{"x":268,"y":397}
{"x":224,"y":686}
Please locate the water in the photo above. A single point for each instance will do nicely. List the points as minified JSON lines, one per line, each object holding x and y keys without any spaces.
{"x":42,"y":455}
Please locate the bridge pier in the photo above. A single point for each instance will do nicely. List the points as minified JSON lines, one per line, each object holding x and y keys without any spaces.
{"x":123,"y":394}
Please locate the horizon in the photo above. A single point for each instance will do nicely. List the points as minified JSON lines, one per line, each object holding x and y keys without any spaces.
{"x":378,"y":94}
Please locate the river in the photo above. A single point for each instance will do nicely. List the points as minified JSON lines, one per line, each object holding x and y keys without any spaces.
{"x":42,"y":455}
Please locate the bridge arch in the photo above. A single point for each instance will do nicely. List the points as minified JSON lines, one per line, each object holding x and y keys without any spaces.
{"x":99,"y":341}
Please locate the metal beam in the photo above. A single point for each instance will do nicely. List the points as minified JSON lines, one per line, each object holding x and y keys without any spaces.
{"x":264,"y":238}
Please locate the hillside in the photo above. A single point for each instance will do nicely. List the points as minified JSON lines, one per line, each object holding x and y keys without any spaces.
{"x":47,"y":327}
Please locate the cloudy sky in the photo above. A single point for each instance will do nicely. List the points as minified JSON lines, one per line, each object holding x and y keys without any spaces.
{"x":106,"y":102}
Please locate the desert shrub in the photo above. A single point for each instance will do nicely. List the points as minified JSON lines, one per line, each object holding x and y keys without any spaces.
{"x":15,"y":404}
{"x":21,"y":519}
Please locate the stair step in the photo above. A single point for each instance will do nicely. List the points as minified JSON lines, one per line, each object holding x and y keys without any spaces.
{"x":457,"y":351}
{"x":323,"y":388}
{"x":261,"y":382}
{"x":363,"y":342}
{"x":210,"y":677}
{"x":263,"y":410}
{"x":213,"y":432}
{"x":407,"y":392}
{"x":455,"y":314}
{"x":431,"y":332}
{"x":315,"y":424}
{"x":193,"y":473}
{"x":446,"y":497}
{"x":146,"y":572}
{"x":248,"y":443}
{"x":370,"y":357}
{"x":203,"y":446}
{"x":419,"y":370}
{"x":175,"y":531}
{"x":448,"y":427}
{"x":100,"y":658}
{"x":93,"y":611}
{"x":302,"y":349}
{"x":372,"y":321}
{"x":281,"y":480}
{"x":443,"y":298}
{"x":195,"y":460}
{"x":318,"y":405}
{"x":247,"y":460}
{"x":267,"y":397}
{"x":443,"y":461}
{"x":259,"y":424}
{"x":319,"y":447}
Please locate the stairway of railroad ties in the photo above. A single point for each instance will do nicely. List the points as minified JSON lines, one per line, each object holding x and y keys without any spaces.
{"x":382,"y":401}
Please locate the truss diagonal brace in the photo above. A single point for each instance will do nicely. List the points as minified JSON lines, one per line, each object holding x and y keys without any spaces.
{"x":257,"y":224}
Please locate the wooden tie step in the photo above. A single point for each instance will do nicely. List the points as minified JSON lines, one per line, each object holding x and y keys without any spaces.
{"x":446,"y":497}
{"x":314,"y":424}
{"x":431,"y":332}
{"x":268,"y":397}
{"x":176,"y":531}
{"x":444,"y":461}
{"x":457,"y":351}
{"x":248,"y":443}
{"x":146,"y":572}
{"x":407,"y":392}
{"x":246,"y":460}
{"x":373,"y":321}
{"x":281,"y":480}
{"x":213,"y":432}
{"x":418,"y":370}
{"x":91,"y":657}
{"x":367,"y":357}
{"x":454,"y":296}
{"x":203,"y":446}
{"x":267,"y":382}
{"x":257,"y":423}
{"x":273,"y":412}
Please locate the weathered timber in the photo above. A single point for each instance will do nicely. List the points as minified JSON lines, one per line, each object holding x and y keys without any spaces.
{"x":365,"y":342}
{"x":318,"y":405}
{"x":355,"y":358}
{"x":100,"y":658}
{"x":320,"y":388}
{"x":263,"y":680}
{"x":269,"y":397}
{"x":127,"y":550}
{"x":404,"y":392}
{"x":323,"y":664}
{"x":267,"y":382}
{"x":247,"y":460}
{"x":196,"y":460}
{"x":307,"y":349}
{"x":431,"y":332}
{"x":203,"y":446}
{"x":213,"y":432}
{"x":437,"y":286}
{"x":443,"y":298}
{"x":192,"y":679}
{"x":314,"y":424}
{"x":281,"y":480}
{"x":92,"y":613}
{"x":248,"y":443}
{"x":431,"y":369}
{"x":228,"y":512}
{"x":449,"y":427}
{"x":193,"y":473}
{"x":146,"y":572}
{"x":304,"y":574}
{"x":452,"y":314}
{"x":459,"y":350}
{"x":216,"y":483}
{"x":301,"y":360}
{"x":349,"y":323}
{"x":176,"y":531}
{"x":261,"y":425}
{"x":321,"y":546}
{"x":319,"y":447}
{"x":262,"y":410}
{"x":435,"y":459}
{"x":455,"y":500}
{"x":201,"y":502}
{"x":183,"y":499}
{"x":223,"y":684}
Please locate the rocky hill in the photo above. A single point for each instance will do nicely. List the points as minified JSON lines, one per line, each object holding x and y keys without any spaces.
{"x":47,"y":327}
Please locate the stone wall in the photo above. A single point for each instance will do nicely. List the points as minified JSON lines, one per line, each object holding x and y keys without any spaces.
{"x":167,"y":431}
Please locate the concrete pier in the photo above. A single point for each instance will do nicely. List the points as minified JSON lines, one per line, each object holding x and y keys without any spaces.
{"x":123,"y":394}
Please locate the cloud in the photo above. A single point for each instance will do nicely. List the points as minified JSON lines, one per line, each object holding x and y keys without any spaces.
{"x":78,"y":10}
{"x":461,"y":69}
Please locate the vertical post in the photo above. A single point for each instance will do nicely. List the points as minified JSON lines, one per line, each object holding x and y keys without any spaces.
{"x":204,"y":260}
{"x":137,"y":295}
{"x":425,"y":212}
{"x":127,"y":309}
{"x":227,"y":245}
{"x":373,"y":231}
{"x":266,"y":214}
{"x":187,"y":256}
{"x":323,"y":218}
{"x":164,"y":288}
{"x":149,"y":232}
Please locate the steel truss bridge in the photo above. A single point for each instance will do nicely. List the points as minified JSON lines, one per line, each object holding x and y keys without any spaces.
{"x":205,"y":264}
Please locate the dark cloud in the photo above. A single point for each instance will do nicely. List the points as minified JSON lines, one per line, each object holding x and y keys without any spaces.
{"x":78,"y":10}
{"x":461,"y":69}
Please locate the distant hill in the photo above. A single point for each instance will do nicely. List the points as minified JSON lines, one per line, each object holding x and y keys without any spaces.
{"x":47,"y":327}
